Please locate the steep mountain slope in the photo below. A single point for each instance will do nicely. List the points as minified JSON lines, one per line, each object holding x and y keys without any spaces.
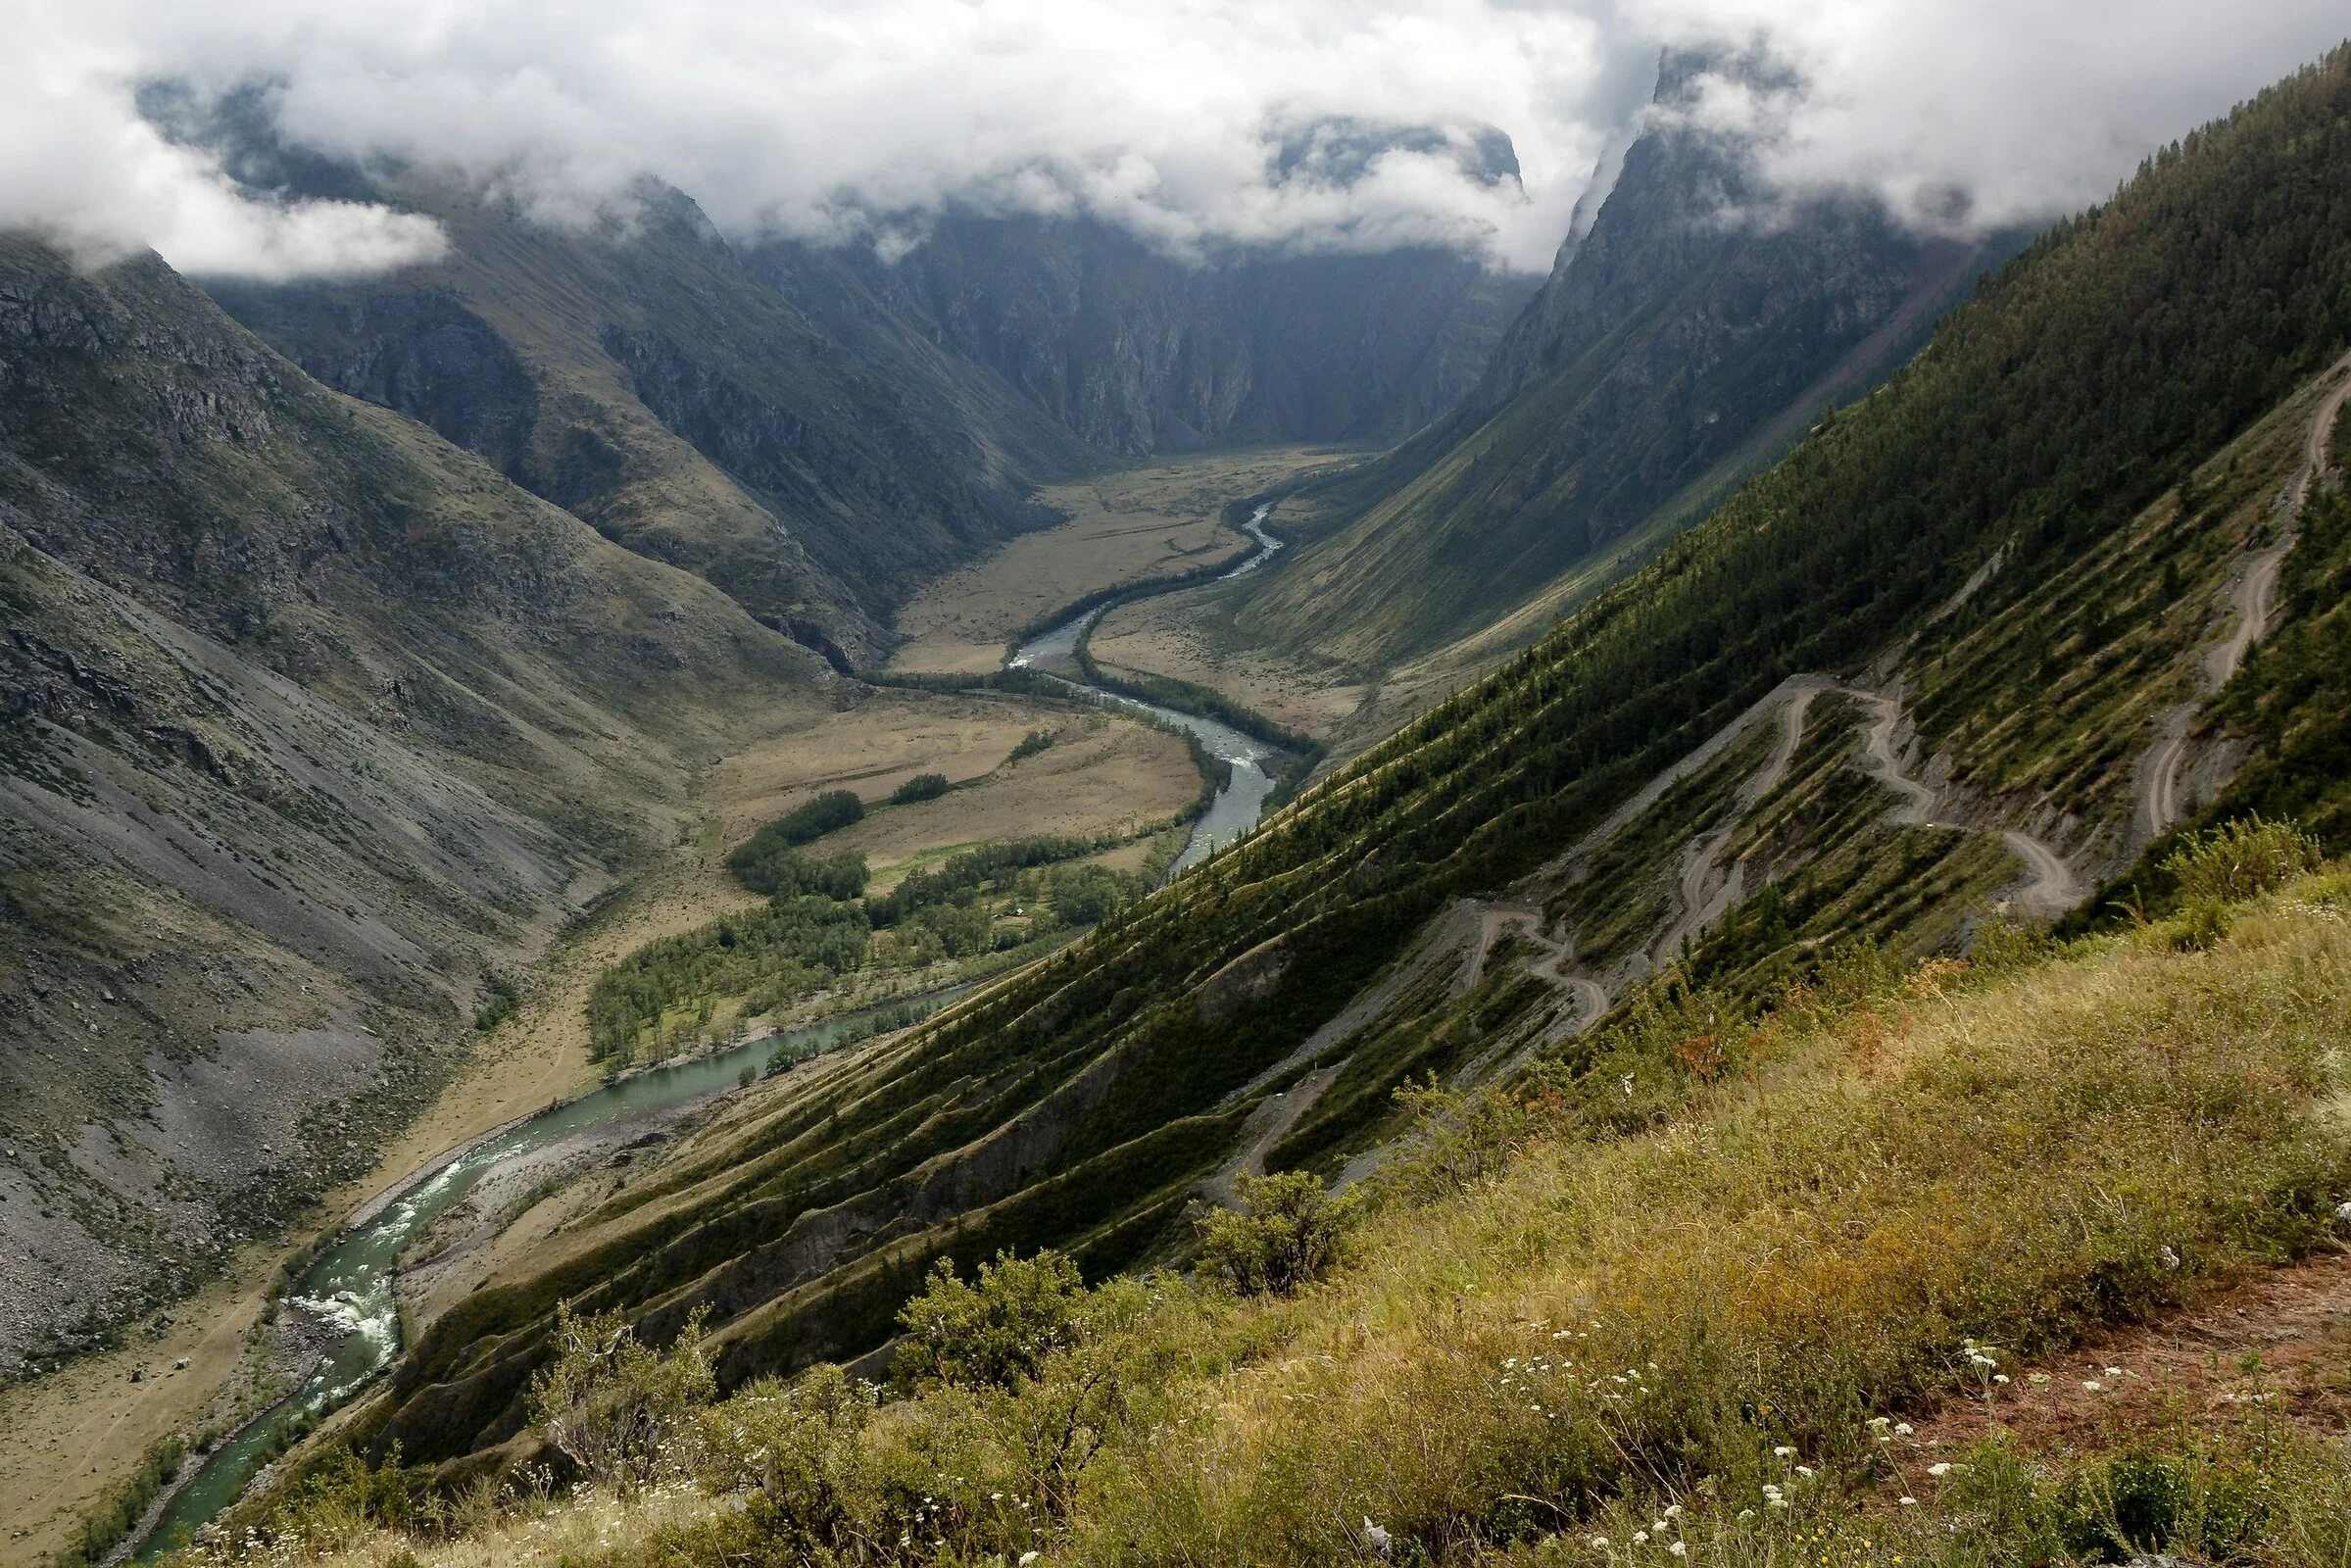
{"x":307,"y":722}
{"x":647,"y":379}
{"x":1137,"y":353}
{"x":1898,"y":679}
{"x":1673,"y":348}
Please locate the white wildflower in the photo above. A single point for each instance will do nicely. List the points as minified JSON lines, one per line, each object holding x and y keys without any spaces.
{"x":1909,"y":1501}
{"x":1939,"y":1468}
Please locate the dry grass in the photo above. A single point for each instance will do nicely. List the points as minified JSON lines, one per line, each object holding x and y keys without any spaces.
{"x":1135,"y":523}
{"x":1612,"y":1324}
{"x":576,"y":1529}
{"x":1813,"y":1243}
{"x":1103,"y":775}
{"x":1167,"y":636}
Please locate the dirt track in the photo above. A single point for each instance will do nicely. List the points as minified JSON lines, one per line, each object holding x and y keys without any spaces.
{"x":2252,"y":597}
{"x":2278,"y":1339}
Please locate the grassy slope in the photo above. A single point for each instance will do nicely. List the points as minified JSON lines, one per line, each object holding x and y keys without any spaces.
{"x":2126,"y":348}
{"x":1578,"y":1308}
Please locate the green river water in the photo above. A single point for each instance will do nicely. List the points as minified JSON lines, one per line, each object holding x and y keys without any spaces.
{"x":348,"y":1289}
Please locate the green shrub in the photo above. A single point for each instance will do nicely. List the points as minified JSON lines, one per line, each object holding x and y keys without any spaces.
{"x":994,"y":1331}
{"x":1286,"y":1236}
{"x":772,"y":956}
{"x":2241,"y":858}
{"x":612,"y":1405}
{"x":806,"y":824}
{"x":342,"y":1498}
{"x":1087,"y":894}
{"x":498,"y":1003}
{"x":794,"y":1451}
{"x":2202,"y":925}
{"x":965,"y":873}
{"x":922,"y":787}
{"x":1035,"y":741}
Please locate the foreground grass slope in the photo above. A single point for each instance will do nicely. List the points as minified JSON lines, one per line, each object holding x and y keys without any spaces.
{"x":1079,"y":1103}
{"x":1648,"y":1288}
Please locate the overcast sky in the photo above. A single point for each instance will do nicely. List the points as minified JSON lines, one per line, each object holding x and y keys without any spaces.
{"x":852,"y":119}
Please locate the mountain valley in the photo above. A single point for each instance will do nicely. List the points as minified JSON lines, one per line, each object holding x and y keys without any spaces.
{"x":1011,"y":894}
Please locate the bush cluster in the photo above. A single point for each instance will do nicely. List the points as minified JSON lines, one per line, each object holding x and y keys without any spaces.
{"x":922,"y":787}
{"x":806,"y":824}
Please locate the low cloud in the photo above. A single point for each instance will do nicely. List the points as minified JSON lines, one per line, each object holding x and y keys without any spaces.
{"x":838,"y":121}
{"x":1976,"y":114}
{"x":81,"y":168}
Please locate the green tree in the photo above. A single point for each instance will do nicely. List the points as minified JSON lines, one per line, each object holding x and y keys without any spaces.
{"x":922,"y":787}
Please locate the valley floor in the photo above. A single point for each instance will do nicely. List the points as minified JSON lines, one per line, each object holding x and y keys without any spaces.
{"x":1124,"y":526}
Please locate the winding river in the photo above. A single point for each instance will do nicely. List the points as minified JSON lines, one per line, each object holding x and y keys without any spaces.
{"x":349,"y":1291}
{"x":1241,"y":801}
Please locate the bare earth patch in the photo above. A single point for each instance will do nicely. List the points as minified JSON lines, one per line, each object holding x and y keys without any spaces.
{"x":2279,"y":1343}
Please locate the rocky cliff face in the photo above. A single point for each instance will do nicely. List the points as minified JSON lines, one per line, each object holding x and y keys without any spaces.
{"x":1689,"y":335}
{"x":1138,"y":353}
{"x":309,"y":722}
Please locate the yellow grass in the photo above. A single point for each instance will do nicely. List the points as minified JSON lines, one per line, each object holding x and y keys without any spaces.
{"x":1169,"y":636}
{"x":1806,"y":1242}
{"x":1135,"y":523}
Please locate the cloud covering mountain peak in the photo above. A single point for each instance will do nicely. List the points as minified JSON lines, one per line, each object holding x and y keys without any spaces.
{"x":1199,"y":125}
